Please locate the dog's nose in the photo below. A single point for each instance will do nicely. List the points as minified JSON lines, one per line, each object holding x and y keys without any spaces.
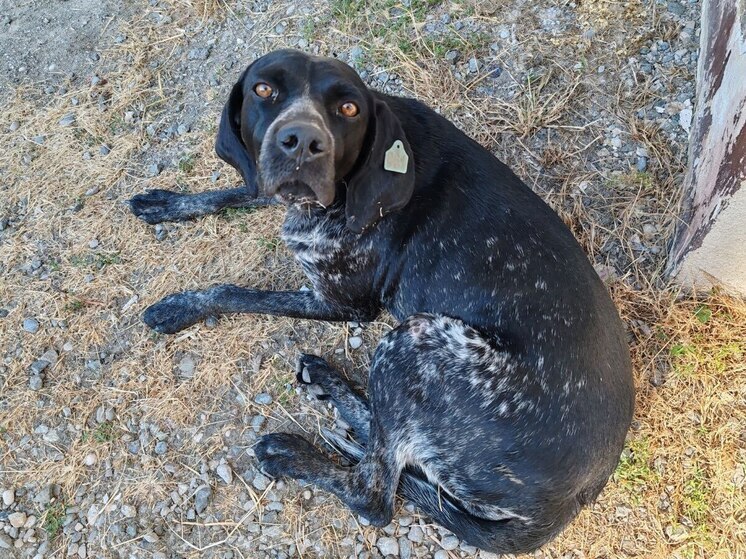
{"x":302,"y":142}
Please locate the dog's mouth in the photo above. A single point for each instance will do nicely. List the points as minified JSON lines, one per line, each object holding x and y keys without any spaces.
{"x":293,"y":188}
{"x":296,"y":192}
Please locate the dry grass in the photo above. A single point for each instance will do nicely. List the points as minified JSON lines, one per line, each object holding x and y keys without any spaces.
{"x":679,"y":490}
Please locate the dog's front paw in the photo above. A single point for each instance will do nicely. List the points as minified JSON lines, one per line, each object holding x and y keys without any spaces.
{"x":157,"y":206}
{"x":288,"y":455}
{"x":176,"y":312}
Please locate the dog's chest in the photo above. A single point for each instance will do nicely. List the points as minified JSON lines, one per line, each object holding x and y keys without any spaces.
{"x":328,"y":252}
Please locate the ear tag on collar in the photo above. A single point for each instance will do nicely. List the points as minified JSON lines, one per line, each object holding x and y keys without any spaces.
{"x":396,"y":159}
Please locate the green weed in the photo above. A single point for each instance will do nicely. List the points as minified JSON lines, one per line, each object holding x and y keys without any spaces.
{"x":103,"y":433}
{"x":634,"y":471}
{"x":54,"y":519}
{"x":187,"y":163}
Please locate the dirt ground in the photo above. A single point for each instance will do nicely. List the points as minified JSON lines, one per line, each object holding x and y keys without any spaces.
{"x":117,"y":442}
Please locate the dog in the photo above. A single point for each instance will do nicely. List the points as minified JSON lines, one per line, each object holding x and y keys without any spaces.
{"x":500,"y":403}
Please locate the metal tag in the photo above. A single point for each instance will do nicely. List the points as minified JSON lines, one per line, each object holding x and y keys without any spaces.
{"x":396,"y":159}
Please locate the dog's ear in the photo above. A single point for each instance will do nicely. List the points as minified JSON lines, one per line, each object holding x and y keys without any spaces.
{"x":229,"y":146}
{"x":384,"y":182}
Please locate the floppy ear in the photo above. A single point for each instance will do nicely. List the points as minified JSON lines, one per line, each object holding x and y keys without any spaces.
{"x":385,"y":180}
{"x":229,"y":146}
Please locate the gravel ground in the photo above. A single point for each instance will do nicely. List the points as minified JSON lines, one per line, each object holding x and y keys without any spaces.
{"x":119,"y":443}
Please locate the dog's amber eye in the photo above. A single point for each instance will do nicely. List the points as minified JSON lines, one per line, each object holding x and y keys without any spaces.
{"x":263,"y":90}
{"x":349,"y":109}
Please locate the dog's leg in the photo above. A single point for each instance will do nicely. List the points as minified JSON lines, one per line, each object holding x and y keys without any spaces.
{"x":325,"y":382}
{"x":157,"y":206}
{"x":181,"y":310}
{"x":368,"y":489}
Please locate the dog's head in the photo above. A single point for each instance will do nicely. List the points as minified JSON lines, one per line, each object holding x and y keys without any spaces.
{"x":307,"y":130}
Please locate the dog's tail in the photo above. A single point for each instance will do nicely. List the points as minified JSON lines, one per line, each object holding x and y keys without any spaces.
{"x":511,"y":534}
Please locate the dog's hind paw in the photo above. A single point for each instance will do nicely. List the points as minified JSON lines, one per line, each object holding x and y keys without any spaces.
{"x":288,"y":455}
{"x":308,"y":368}
{"x":157,"y":206}
{"x":176,"y":312}
{"x":313,"y":371}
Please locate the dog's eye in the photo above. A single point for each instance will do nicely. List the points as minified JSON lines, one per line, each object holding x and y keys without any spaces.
{"x":263,"y":90}
{"x":349,"y":109}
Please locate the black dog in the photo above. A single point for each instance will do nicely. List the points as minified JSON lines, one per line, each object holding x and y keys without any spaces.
{"x":500,"y":404}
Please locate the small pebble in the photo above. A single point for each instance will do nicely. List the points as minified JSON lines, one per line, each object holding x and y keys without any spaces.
{"x":51,"y":436}
{"x":685,"y":119}
{"x":67,"y":120}
{"x":31,"y":325}
{"x":161,"y":448}
{"x":676,"y":8}
{"x":17,"y":519}
{"x":202,"y":498}
{"x":90,"y":459}
{"x":416,"y":534}
{"x":356,"y":53}
{"x":405,"y":548}
{"x":93,"y":243}
{"x":355,"y":342}
{"x":187,"y":365}
{"x":160,"y":232}
{"x":449,"y":543}
{"x":225,"y":473}
{"x":104,"y":149}
{"x":38,"y":366}
{"x":35,"y":382}
{"x":387,"y":546}
{"x":263,"y":399}
{"x":128,"y":511}
{"x":258,"y":422}
{"x":199,"y":54}
{"x":260,"y":482}
{"x":9,"y":497}
{"x":649,"y":231}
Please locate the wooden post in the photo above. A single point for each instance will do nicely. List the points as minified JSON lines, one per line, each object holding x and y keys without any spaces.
{"x":709,"y":246}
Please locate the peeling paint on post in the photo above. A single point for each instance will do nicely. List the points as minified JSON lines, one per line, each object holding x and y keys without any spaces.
{"x":709,"y":247}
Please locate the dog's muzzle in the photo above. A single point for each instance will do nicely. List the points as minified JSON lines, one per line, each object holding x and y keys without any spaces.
{"x":296,"y":162}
